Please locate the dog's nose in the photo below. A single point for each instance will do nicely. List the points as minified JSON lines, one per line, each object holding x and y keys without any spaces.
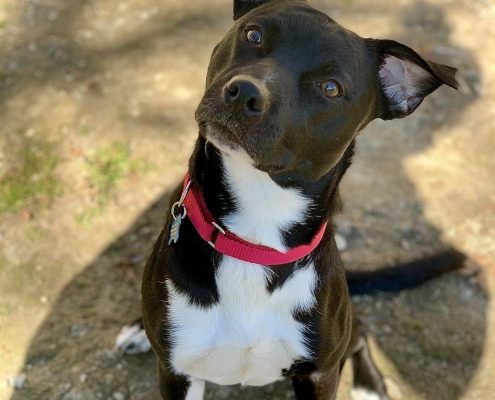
{"x":244,"y":96}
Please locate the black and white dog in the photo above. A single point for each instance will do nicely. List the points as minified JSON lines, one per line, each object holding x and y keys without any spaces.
{"x":245,"y":285}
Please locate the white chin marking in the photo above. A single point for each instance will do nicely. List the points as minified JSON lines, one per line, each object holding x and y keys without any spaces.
{"x":229,"y":148}
{"x":132,"y":339}
{"x":364,"y":394}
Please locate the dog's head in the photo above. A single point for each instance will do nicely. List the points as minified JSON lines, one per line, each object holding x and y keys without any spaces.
{"x":292,"y":88}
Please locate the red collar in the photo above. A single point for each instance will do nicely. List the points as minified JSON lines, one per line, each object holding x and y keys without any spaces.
{"x":231,"y":245}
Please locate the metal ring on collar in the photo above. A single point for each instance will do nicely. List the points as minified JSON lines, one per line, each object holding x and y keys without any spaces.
{"x":175,"y":208}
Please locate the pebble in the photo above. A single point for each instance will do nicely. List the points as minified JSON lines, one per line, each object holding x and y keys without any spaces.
{"x":78,"y":330}
{"x":341,"y":242}
{"x":118,"y":396}
{"x":20,"y":381}
{"x":64,"y":387}
{"x":83,"y":378}
{"x":75,"y":394}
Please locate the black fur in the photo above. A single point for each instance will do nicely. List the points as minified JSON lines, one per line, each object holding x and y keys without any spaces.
{"x":404,"y":276}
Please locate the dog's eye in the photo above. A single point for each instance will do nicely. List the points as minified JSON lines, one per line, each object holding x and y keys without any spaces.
{"x":330,"y":88}
{"x":254,"y":36}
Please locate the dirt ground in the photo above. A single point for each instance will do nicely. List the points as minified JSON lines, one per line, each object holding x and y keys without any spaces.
{"x":96,"y":107}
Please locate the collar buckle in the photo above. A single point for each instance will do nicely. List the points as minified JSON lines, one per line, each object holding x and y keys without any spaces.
{"x":218,"y":230}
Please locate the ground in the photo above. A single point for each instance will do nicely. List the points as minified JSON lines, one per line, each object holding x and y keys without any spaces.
{"x":97,"y":103}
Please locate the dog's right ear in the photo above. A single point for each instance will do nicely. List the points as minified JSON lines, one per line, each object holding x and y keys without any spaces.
{"x":242,"y":7}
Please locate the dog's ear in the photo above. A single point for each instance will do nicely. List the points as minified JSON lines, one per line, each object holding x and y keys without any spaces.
{"x":242,"y":7}
{"x":406,"y":78}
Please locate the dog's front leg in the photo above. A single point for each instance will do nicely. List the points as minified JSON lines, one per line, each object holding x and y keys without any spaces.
{"x":179,"y":387}
{"x":317,"y":385}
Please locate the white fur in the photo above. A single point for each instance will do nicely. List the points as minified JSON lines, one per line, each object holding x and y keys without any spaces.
{"x":364,"y":394}
{"x":250,"y":335}
{"x":132,"y":339}
{"x":196,"y":390}
{"x":264,"y":208}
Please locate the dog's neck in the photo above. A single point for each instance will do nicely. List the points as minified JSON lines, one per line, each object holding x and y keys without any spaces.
{"x":251,"y":205}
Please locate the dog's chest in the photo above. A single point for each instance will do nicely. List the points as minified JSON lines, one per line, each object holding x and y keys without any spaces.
{"x":250,"y":335}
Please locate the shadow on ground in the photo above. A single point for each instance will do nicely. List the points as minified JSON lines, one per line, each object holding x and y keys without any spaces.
{"x":432,"y":337}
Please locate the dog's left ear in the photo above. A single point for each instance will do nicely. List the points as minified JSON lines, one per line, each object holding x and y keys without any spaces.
{"x":406,"y":78}
{"x":242,"y":7}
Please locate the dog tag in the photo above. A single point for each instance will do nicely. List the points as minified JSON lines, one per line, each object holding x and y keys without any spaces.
{"x":178,"y":212}
{"x":174,"y":230}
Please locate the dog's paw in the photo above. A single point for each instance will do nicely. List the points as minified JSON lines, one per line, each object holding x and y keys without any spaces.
{"x":132,"y":339}
{"x":359,"y":393}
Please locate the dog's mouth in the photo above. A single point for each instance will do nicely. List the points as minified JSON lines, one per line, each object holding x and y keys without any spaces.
{"x":227,"y":141}
{"x":220,"y":135}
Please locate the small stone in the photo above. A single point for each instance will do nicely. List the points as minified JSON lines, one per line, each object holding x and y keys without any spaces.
{"x":30,"y":132}
{"x":78,"y":330}
{"x":64,"y":388}
{"x":341,"y":242}
{"x":20,"y":381}
{"x":43,"y":299}
{"x":83,"y":378}
{"x":118,"y":396}
{"x":405,"y":244}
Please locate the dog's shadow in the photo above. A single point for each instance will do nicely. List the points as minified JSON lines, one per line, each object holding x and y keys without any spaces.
{"x":431,"y":337}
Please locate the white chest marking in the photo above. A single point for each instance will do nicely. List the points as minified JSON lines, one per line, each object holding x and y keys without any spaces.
{"x":263,"y":207}
{"x":250,"y":335}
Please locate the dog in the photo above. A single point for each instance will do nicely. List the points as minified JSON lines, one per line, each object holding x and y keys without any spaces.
{"x":245,"y":284}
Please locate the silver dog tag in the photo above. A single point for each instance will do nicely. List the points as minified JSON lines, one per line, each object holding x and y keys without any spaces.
{"x":178,"y":212}
{"x":174,"y":230}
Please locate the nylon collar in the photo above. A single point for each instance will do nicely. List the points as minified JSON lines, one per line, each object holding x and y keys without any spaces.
{"x":228,"y":243}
